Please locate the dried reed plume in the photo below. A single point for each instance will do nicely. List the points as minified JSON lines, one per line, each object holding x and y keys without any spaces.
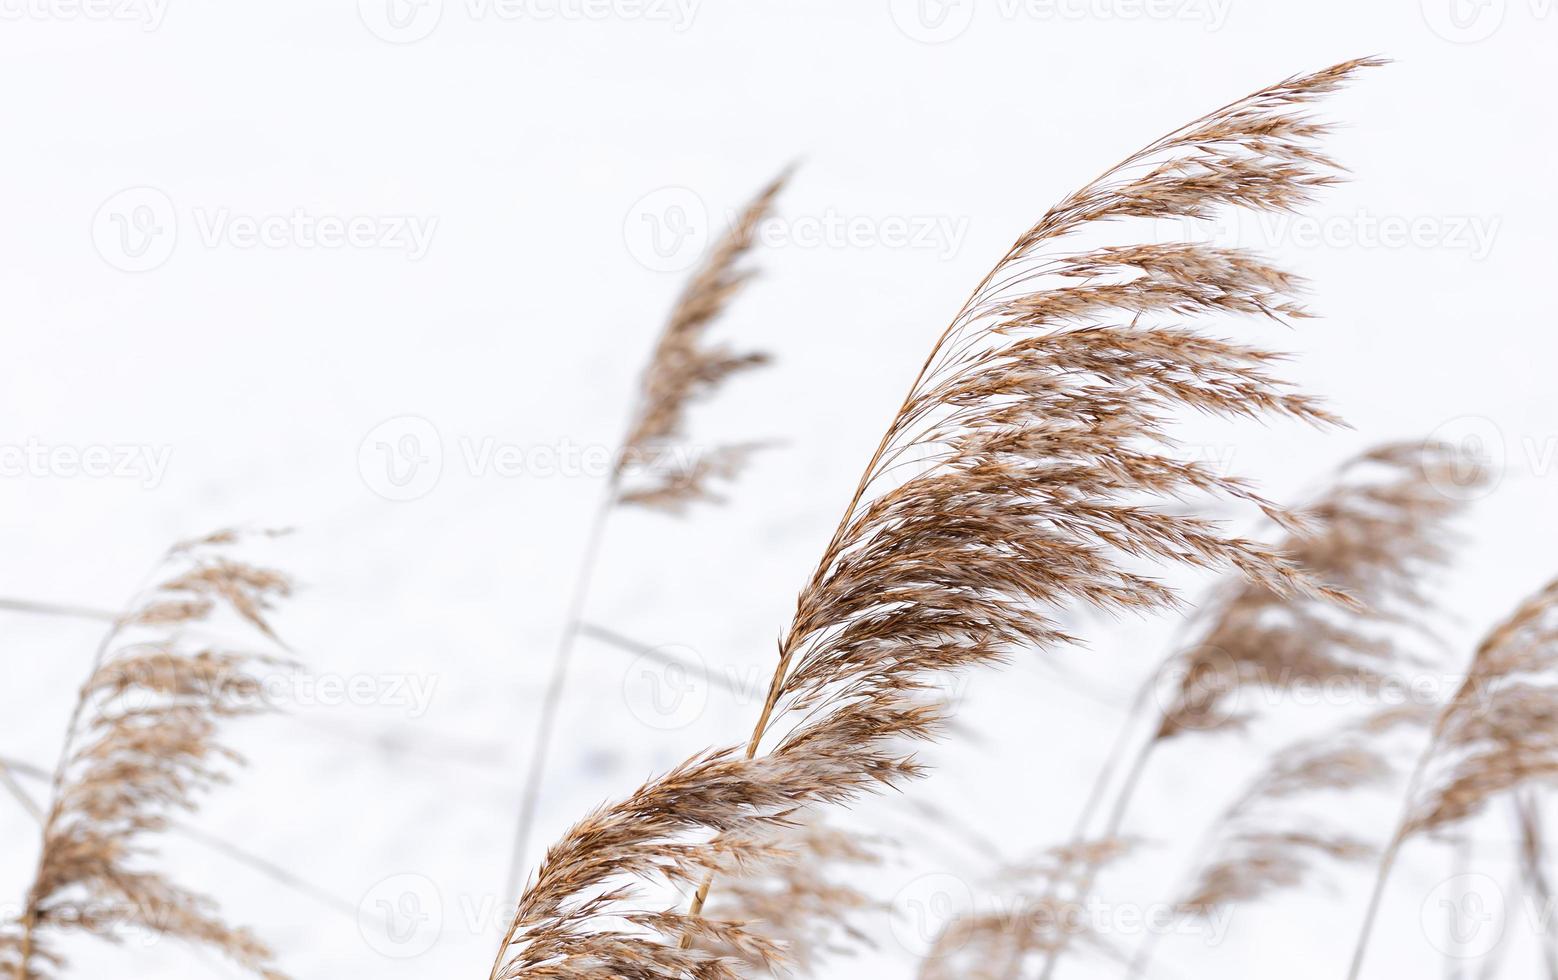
{"x":1033,"y":919}
{"x":686,"y":368}
{"x":1038,"y":437}
{"x":142,"y":744}
{"x":1262,"y":843}
{"x":1498,"y":734}
{"x":1377,"y":534}
{"x":803,"y":903}
{"x":654,"y":468}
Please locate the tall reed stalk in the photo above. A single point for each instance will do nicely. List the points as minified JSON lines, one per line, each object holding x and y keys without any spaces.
{"x":1035,"y":445}
{"x":141,"y":744}
{"x":1377,"y":533}
{"x":652,"y":468}
{"x":1495,"y":736}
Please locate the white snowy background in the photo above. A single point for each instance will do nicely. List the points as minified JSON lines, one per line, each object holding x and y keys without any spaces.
{"x":173,"y":176}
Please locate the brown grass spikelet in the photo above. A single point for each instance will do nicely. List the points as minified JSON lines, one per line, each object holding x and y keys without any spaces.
{"x":686,"y":368}
{"x":1031,"y":918}
{"x":1501,"y":730}
{"x":1266,"y":841}
{"x":143,"y":743}
{"x":1027,"y":468}
{"x":803,"y":902}
{"x":1498,"y":734}
{"x":655,"y":468}
{"x":1261,"y":843}
{"x":1378,"y":534}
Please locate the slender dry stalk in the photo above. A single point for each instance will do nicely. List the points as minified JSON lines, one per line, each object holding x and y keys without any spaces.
{"x":655,"y":467}
{"x":57,"y":609}
{"x":1533,"y":870}
{"x":1378,"y":533}
{"x":1497,"y":735}
{"x":1031,"y":458}
{"x":805,"y":903}
{"x":143,"y":744}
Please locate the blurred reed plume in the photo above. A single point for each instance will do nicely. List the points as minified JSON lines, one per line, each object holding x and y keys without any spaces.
{"x":994,"y":945}
{"x":1379,"y":533}
{"x":655,"y":468}
{"x":1025,"y":470}
{"x":804,"y":901}
{"x":685,"y":369}
{"x":1264,"y":842}
{"x":144,"y":743}
{"x":1497,"y":735}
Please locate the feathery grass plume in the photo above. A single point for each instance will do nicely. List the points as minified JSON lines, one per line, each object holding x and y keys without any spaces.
{"x":142,"y":744}
{"x":1379,"y":532}
{"x":1497,"y":735}
{"x":1033,"y":919}
{"x":803,"y":904}
{"x":1038,"y":433}
{"x":686,"y":368}
{"x":1263,"y":842}
{"x":654,"y":467}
